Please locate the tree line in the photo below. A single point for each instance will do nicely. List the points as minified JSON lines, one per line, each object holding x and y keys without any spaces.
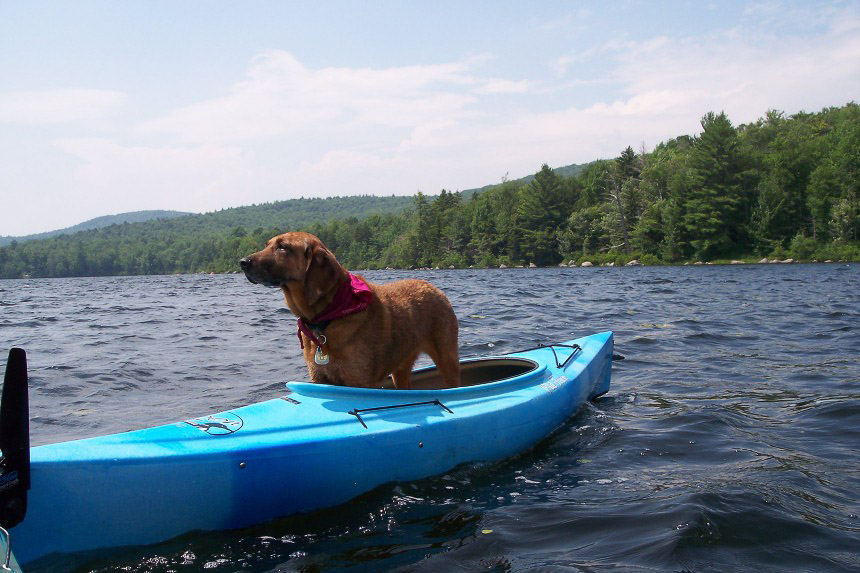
{"x":783,"y":186}
{"x":190,"y":243}
{"x":778,"y":187}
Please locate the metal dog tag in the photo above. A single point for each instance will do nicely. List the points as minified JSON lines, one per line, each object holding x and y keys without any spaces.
{"x":320,"y":358}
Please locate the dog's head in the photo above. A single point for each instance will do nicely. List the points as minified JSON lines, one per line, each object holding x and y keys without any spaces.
{"x":299,"y":257}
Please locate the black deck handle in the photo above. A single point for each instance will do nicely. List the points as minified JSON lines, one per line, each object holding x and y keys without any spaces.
{"x":575,"y":347}
{"x":355,"y":412}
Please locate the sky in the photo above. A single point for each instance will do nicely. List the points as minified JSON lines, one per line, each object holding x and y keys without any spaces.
{"x":108,"y":107}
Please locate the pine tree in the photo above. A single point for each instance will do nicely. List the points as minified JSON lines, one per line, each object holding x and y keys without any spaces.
{"x":540,"y":211}
{"x":715,"y":199}
{"x":623,"y":187}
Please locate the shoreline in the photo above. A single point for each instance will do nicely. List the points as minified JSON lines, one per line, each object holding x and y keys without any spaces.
{"x":475,"y":268}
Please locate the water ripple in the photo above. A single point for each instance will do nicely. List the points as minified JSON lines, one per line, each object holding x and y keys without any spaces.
{"x":724,"y":443}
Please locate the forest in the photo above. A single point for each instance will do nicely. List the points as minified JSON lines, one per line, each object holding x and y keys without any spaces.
{"x":780,"y":187}
{"x":97,"y":223}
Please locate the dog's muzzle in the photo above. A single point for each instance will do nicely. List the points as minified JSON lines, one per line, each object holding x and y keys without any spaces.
{"x":247,"y":264}
{"x":256,"y":275}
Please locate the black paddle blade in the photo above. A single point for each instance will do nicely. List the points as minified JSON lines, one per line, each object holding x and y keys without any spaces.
{"x":14,"y":440}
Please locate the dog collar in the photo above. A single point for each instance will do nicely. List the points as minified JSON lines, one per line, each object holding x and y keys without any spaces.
{"x":351,"y":297}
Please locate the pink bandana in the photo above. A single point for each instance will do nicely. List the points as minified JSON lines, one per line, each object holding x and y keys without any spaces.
{"x":352,"y":296}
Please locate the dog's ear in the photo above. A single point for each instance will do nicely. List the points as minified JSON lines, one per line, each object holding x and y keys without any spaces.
{"x":323,"y":270}
{"x":309,"y":255}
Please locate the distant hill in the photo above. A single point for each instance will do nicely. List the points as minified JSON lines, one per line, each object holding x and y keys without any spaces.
{"x":181,"y":242}
{"x":283,"y":215}
{"x":98,"y":223}
{"x":291,"y":213}
{"x":565,"y":172}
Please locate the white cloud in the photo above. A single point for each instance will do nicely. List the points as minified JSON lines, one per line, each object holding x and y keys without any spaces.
{"x":281,"y":97}
{"x":744,"y":73}
{"x":503,"y":87}
{"x":120,"y":178}
{"x":58,"y":106}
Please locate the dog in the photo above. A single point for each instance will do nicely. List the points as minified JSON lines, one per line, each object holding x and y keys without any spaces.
{"x":354,"y":332}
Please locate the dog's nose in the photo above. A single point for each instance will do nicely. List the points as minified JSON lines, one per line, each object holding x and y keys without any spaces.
{"x":245,"y":262}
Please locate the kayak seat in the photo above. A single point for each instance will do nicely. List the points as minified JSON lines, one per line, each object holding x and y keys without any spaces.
{"x":472,"y":373}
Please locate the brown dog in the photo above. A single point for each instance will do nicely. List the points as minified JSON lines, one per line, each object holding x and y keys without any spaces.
{"x":353,"y":332}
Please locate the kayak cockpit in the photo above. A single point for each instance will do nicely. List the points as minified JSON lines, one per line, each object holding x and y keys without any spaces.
{"x":472,"y":373}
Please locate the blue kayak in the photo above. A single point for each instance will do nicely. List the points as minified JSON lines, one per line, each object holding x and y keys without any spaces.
{"x":314,"y":447}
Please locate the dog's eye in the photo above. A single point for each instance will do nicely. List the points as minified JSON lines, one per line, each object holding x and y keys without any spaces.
{"x":282,"y":248}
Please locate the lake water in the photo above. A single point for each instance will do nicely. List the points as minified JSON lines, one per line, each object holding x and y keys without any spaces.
{"x":728,"y":441}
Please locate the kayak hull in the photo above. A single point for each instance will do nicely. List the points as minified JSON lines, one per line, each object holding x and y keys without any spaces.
{"x":315,"y":447}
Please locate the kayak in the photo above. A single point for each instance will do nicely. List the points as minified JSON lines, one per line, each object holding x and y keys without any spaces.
{"x":316,"y":446}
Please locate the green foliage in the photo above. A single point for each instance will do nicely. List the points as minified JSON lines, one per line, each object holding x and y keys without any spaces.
{"x":584,"y":231}
{"x":193,"y":243}
{"x":802,"y":247}
{"x":782,"y":187}
{"x":713,"y":199}
{"x":837,"y":252}
{"x":541,"y":208}
{"x":650,"y":260}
